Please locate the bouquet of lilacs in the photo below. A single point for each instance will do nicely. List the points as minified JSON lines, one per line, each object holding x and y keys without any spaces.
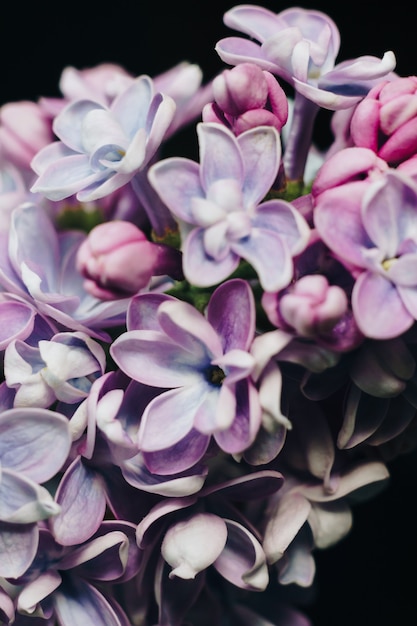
{"x":205,"y":363}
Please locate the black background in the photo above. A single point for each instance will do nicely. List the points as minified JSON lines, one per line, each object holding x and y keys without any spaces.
{"x":369,"y":579}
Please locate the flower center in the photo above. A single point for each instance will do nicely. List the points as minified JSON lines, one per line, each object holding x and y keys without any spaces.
{"x":388,"y":263}
{"x":215,"y":375}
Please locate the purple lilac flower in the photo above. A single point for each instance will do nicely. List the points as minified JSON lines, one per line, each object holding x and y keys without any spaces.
{"x":220,"y":205}
{"x":209,"y":529}
{"x":204,"y":362}
{"x":101,"y":148}
{"x":68,"y":583}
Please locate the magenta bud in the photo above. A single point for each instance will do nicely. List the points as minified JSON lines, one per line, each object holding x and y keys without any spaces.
{"x":246,"y":97}
{"x":240,"y":89}
{"x":117,"y":260}
{"x":386,"y":120}
{"x":313,"y":307}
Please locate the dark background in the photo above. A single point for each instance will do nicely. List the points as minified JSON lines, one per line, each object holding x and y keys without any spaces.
{"x":369,"y":579}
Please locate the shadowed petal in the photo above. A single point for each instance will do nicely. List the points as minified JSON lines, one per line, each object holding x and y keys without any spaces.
{"x":243,"y":562}
{"x":18,"y":545}
{"x":81,"y":497}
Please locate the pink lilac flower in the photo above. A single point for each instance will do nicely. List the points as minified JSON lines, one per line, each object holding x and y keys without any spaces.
{"x":24,"y":130}
{"x":375,"y":233}
{"x":220,"y":204}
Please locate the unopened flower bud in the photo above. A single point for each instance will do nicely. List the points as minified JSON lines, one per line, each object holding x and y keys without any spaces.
{"x":312,"y":306}
{"x":117,"y":260}
{"x":385,"y":121}
{"x":245,"y":97}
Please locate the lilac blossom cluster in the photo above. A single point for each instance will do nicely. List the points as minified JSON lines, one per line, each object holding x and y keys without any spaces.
{"x":205,"y":363}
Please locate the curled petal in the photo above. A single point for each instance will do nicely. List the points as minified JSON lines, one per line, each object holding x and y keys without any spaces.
{"x":243,"y":561}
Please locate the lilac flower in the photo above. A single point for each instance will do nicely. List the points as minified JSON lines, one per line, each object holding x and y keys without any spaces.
{"x":60,"y":369}
{"x":34,"y":445}
{"x":219,"y":203}
{"x":100,"y":148}
{"x":205,"y":364}
{"x":68,"y":583}
{"x":38,"y":265}
{"x":301,"y":46}
{"x":210,"y":529}
{"x":106,"y":81}
{"x":376,"y":234}
{"x":316,"y":306}
{"x":116,"y":403}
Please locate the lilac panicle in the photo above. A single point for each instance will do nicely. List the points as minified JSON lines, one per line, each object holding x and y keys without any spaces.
{"x":219,"y":203}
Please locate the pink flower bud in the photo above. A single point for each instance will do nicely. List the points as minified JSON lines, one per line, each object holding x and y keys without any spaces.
{"x":24,"y":130}
{"x":245,"y":97}
{"x":313,"y":307}
{"x":117,"y":260}
{"x":386,"y":120}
